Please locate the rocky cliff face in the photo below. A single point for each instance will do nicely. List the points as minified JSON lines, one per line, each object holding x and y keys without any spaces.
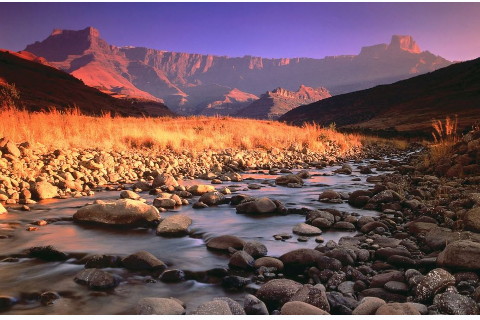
{"x":275,"y":103}
{"x":176,"y":77}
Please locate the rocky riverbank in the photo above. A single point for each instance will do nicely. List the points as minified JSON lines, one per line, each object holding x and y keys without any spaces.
{"x":420,"y":255}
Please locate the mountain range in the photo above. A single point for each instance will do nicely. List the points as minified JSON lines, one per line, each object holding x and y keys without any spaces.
{"x":275,"y":103}
{"x":405,"y":106}
{"x":194,"y":83}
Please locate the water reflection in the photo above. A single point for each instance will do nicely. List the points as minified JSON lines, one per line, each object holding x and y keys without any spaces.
{"x":187,"y":253}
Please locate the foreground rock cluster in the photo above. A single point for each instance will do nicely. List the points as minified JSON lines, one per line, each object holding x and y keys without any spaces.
{"x":419,"y":255}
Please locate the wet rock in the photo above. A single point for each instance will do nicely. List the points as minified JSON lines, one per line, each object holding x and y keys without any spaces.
{"x":102,"y":261}
{"x":255,"y":248}
{"x":304,"y":229}
{"x":215,"y":307}
{"x":328,"y":195}
{"x":164,"y":179}
{"x":312,"y":295}
{"x":199,"y":205}
{"x":401,"y":261}
{"x":241,"y":260}
{"x":176,"y":225}
{"x":259,"y":205}
{"x":48,"y":298}
{"x":434,"y":282}
{"x":128,"y":194}
{"x":455,"y":304}
{"x":397,"y":309}
{"x":289,"y":178}
{"x":359,"y":198}
{"x":343,"y":225}
{"x":297,"y":260}
{"x":301,"y":308}
{"x":268,"y":262}
{"x":212,"y":198}
{"x":96,"y":279}
{"x":43,"y":190}
{"x":235,"y":307}
{"x":341,"y":304}
{"x":118,"y":212}
{"x":325,"y":262}
{"x":370,"y":226}
{"x":167,"y":203}
{"x":346,"y":257}
{"x":143,"y":260}
{"x":222,"y":243}
{"x":438,"y":238}
{"x":396,"y":287}
{"x":200,"y":189}
{"x":235,"y":282}
{"x":368,"y":306}
{"x":346,"y":288}
{"x":472,"y":220}
{"x":379,"y":280}
{"x":462,"y":254}
{"x":47,"y":253}
{"x":385,"y":196}
{"x":6,"y":302}
{"x":254,"y":306}
{"x":173,"y":275}
{"x":277,"y":292}
{"x":160,"y":306}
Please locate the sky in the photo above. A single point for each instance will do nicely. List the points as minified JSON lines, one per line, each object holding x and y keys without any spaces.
{"x":270,"y":30}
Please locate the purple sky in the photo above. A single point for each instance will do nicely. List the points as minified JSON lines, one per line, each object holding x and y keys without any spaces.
{"x":277,"y":30}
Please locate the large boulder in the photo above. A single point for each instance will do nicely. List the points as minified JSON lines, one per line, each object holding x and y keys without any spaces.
{"x":119,"y":212}
{"x":259,"y":205}
{"x":241,"y":260}
{"x":161,"y":306}
{"x":289,"y":178}
{"x":434,"y":282}
{"x":275,"y":293}
{"x":43,"y":190}
{"x":462,"y":254}
{"x":297,"y":260}
{"x":164,"y":179}
{"x":222,"y":243}
{"x":255,"y":248}
{"x":200,"y":189}
{"x":215,"y":307}
{"x":304,"y":229}
{"x":254,"y":306}
{"x":176,"y":225}
{"x":368,"y":306}
{"x":397,"y":309}
{"x":96,"y":279}
{"x":11,"y":148}
{"x":301,"y":308}
{"x":472,"y":220}
{"x":314,"y":295}
{"x":213,"y":198}
{"x":455,"y":304}
{"x":143,"y":260}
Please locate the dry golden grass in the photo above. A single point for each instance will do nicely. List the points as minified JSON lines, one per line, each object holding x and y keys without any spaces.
{"x":444,"y":136}
{"x":72,"y":129}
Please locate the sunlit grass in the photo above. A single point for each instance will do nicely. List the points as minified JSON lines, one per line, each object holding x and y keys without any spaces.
{"x":71,"y":129}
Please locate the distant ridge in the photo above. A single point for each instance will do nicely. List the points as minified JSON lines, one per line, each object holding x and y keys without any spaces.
{"x":42,"y":87}
{"x":405,"y":106}
{"x":275,"y":103}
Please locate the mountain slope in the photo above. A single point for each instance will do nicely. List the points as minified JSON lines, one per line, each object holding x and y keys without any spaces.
{"x":42,"y":87}
{"x":274,"y":104}
{"x":227,"y":104}
{"x":173,"y":76}
{"x":408,"y":105}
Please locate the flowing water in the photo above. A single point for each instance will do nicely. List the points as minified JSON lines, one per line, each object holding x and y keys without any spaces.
{"x":28,"y":277}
